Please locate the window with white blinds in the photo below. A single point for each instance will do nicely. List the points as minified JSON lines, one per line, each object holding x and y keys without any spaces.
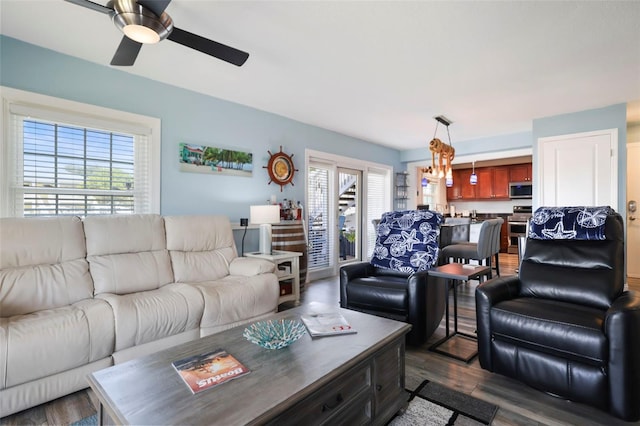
{"x":378,"y":196}
{"x":320,"y":210}
{"x":64,"y":163}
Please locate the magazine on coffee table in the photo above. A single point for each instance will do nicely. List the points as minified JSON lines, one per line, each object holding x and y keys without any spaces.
{"x":326,"y":324}
{"x":204,"y":371}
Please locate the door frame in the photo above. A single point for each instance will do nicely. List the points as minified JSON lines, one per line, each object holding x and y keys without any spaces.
{"x":631,"y":225}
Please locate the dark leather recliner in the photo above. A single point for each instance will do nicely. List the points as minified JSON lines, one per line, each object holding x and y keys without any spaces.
{"x":565,"y":325}
{"x":412,"y":297}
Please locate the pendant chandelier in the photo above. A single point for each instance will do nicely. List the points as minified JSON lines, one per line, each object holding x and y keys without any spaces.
{"x":442,"y":154}
{"x":473,"y":179}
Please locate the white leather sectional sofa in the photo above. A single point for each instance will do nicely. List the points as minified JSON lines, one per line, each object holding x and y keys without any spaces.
{"x":80,"y":295}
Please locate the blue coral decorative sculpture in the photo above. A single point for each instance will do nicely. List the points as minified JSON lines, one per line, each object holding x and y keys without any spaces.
{"x":274,"y":334}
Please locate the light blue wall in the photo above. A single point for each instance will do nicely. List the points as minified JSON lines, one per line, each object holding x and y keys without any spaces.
{"x":610,"y":117}
{"x":500,"y":143}
{"x":186,"y":117}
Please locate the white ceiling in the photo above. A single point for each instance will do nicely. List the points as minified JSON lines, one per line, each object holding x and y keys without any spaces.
{"x":379,"y":70}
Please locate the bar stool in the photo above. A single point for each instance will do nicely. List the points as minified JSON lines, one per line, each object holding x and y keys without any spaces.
{"x":487,"y":247}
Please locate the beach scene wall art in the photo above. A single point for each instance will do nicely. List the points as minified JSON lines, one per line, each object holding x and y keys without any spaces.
{"x":211,"y":160}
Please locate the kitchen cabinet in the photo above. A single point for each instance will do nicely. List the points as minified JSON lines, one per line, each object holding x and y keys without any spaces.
{"x":454,"y":192}
{"x":467,"y":190}
{"x":493,"y":183}
{"x":520,"y":172}
{"x":461,"y":189}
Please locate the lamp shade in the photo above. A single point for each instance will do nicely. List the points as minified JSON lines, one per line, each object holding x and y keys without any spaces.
{"x":264,"y":214}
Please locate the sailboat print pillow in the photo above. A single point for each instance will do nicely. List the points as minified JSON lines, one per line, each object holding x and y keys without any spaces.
{"x":407,"y":241}
{"x":569,"y":223}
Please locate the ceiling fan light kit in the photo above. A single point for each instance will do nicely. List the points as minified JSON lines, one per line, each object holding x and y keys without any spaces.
{"x":146,"y":22}
{"x":139,"y":23}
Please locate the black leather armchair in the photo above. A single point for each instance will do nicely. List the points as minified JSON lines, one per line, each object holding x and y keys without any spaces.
{"x":416,"y":298}
{"x":394,"y":291}
{"x":565,"y":325}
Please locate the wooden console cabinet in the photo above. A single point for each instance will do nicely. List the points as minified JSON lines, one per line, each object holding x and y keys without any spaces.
{"x":347,"y":379}
{"x":371,"y":392}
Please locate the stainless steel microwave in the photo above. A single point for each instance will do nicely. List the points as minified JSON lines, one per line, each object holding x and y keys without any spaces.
{"x":520,"y":190}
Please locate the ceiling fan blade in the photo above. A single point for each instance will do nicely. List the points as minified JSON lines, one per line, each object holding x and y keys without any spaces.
{"x":127,"y":52}
{"x":91,"y":5}
{"x":210,"y":47}
{"x":156,"y":6}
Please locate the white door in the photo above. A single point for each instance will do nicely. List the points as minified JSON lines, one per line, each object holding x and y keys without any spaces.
{"x":578,"y":169}
{"x":633,"y":217}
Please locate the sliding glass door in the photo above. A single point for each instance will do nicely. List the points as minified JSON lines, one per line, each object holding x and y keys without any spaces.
{"x":349,"y":215}
{"x":344,"y":197}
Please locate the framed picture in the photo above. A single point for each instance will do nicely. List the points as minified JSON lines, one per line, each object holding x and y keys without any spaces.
{"x":210,"y":160}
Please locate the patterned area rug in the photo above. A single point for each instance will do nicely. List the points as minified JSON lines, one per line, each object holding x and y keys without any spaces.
{"x":87,"y":421}
{"x":434,"y":404}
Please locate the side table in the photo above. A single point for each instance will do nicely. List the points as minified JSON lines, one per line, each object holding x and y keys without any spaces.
{"x":291,"y":273}
{"x":453,"y":272}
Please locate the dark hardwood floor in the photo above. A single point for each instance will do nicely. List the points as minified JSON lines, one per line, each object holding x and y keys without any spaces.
{"x":519,"y":404}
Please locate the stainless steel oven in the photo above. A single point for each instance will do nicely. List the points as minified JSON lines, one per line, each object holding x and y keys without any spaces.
{"x":517,"y":226}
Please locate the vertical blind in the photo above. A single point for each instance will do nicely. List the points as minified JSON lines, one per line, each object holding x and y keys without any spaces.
{"x":377,"y":203}
{"x":321,"y":239}
{"x":68,"y":169}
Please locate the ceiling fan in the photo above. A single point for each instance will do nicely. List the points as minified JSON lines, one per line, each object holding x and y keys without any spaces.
{"x":146,"y":22}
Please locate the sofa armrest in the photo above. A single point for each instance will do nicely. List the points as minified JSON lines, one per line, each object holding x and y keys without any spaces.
{"x":427,"y":301}
{"x":622,"y":328}
{"x":249,"y":267}
{"x":487,"y":295}
{"x":349,"y":273}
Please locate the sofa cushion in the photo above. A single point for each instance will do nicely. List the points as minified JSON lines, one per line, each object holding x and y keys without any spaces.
{"x":236,"y":298}
{"x":387,"y":293}
{"x":127,"y":253}
{"x":145,"y":316}
{"x":562,"y":329}
{"x":201,"y":247}
{"x":55,"y":340}
{"x":42,"y":264}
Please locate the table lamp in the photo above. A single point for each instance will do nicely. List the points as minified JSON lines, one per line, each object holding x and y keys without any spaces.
{"x":265,"y":216}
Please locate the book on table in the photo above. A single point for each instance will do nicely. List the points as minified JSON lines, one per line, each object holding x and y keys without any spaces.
{"x":326,"y":324}
{"x":204,"y":371}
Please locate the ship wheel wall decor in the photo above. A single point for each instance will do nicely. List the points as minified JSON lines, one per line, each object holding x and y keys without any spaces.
{"x":280,"y":168}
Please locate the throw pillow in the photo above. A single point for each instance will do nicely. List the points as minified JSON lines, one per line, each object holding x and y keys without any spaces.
{"x":407,"y":241}
{"x":569,"y":223}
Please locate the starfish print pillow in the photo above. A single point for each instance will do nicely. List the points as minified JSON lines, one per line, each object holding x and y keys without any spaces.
{"x":407,"y":241}
{"x":569,"y":223}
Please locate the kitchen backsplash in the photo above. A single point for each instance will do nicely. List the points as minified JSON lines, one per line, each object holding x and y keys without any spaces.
{"x":489,"y":206}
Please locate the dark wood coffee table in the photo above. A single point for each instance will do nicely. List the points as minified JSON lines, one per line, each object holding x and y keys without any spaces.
{"x":357,"y":378}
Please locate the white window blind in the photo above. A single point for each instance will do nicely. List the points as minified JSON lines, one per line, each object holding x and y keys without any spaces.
{"x":60,"y":163}
{"x":377,"y":203}
{"x":321,"y":239}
